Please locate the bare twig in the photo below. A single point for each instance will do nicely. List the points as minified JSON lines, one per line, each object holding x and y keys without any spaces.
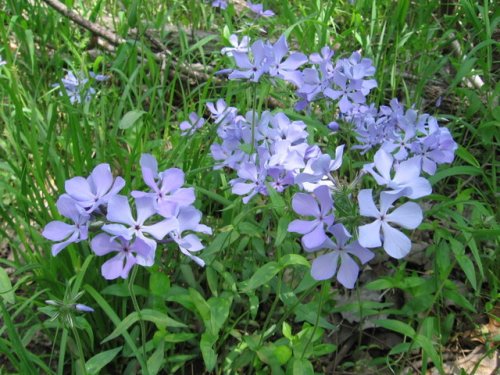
{"x":93,"y":27}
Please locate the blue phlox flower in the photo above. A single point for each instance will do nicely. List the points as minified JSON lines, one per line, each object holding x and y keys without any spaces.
{"x":319,"y":205}
{"x":76,"y":87}
{"x":324,"y":60}
{"x":252,"y":70}
{"x":406,"y":176}
{"x":258,"y":10}
{"x":320,"y":167}
{"x":128,"y":227}
{"x":190,"y":126}
{"x":251,"y":180}
{"x":237,"y":46}
{"x":219,"y":4}
{"x":339,"y":257}
{"x":167,"y":191}
{"x":287,"y":69}
{"x":128,"y":254}
{"x":96,"y":190}
{"x":189,"y":220}
{"x":67,"y":233}
{"x":380,"y":232}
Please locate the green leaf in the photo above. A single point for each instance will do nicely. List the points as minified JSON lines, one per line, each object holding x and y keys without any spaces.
{"x":156,"y":317}
{"x":302,"y":367}
{"x":466,"y":156}
{"x":454,"y":171}
{"x":201,"y":305}
{"x":464,"y":262}
{"x":6,"y":291}
{"x":179,"y":337}
{"x":130,"y":119}
{"x":155,"y":362}
{"x":429,"y":349}
{"x":122,"y":290}
{"x":293,"y":260}
{"x":283,"y":353}
{"x":97,"y":362}
{"x":464,"y":69}
{"x":277,"y":201}
{"x":206,"y":346}
{"x":262,"y":276}
{"x":396,"y":326}
{"x":219,"y":308}
{"x":159,"y":284}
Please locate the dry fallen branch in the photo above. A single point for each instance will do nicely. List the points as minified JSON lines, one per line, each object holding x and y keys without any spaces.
{"x":110,"y":40}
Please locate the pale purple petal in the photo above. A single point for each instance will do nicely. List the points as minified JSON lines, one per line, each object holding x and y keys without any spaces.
{"x":58,"y":231}
{"x":113,"y":268}
{"x":408,"y":216}
{"x":363,"y":254}
{"x":161,"y":229}
{"x":118,"y":230}
{"x":366,"y":205}
{"x":145,"y":209}
{"x":325,"y":266}
{"x":305,"y":205}
{"x":56,"y":248}
{"x":172,"y":179}
{"x":369,"y":234}
{"x":396,"y":243}
{"x":102,"y":179}
{"x":241,"y":188}
{"x":315,"y":238}
{"x":103,"y":244}
{"x":348,"y":271}
{"x":383,"y":163}
{"x":387,"y":198}
{"x":119,"y":210}
{"x":302,"y":226}
{"x":78,"y":188}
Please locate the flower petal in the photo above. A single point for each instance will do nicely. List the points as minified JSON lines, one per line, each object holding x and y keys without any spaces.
{"x":315,"y":238}
{"x":369,"y":234}
{"x":366,"y":205}
{"x":171,"y":180}
{"x":396,"y":243}
{"x":161,"y":229}
{"x":119,"y":210}
{"x":102,"y":179}
{"x":302,"y":226}
{"x":78,"y":188}
{"x":348,"y":271}
{"x":409,"y":215}
{"x":325,"y":266}
{"x":306,"y":205}
{"x":58,"y":231}
{"x":103,"y":244}
{"x":113,"y":268}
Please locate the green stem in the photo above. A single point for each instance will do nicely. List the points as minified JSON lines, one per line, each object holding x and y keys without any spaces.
{"x":321,"y":295}
{"x":138,"y":310}
{"x":254,"y":109}
{"x":81,"y":358}
{"x":273,"y":307}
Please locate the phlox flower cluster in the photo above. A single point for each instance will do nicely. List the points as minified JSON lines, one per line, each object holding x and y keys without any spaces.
{"x":404,"y":133}
{"x":77,"y":86}
{"x":347,"y":80}
{"x":165,"y":213}
{"x":407,"y":144}
{"x":266,"y":150}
